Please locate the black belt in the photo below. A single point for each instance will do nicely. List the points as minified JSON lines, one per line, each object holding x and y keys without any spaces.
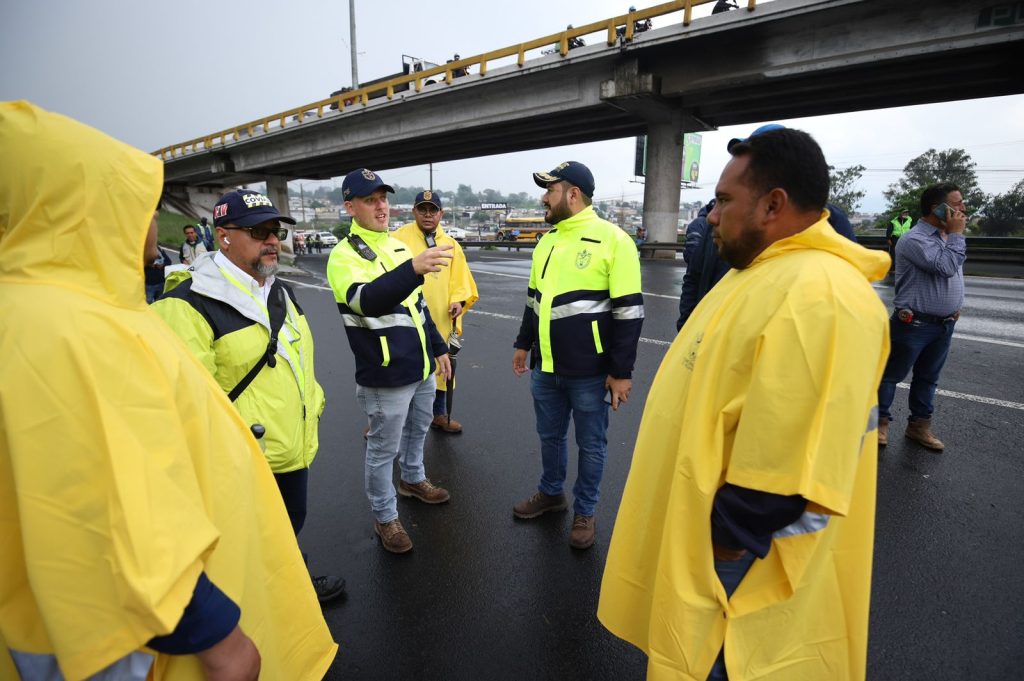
{"x":930,"y":318}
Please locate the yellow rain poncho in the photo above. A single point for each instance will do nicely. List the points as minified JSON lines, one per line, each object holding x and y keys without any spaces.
{"x":124,"y":470}
{"x":771,"y":385}
{"x":440,"y":289}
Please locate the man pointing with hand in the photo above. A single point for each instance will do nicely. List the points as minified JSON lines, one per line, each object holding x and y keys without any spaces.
{"x":376,"y":284}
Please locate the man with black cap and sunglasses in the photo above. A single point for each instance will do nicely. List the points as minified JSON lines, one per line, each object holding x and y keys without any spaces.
{"x":449,"y":293}
{"x":377,"y":284}
{"x":248,"y":330}
{"x":582,"y":321}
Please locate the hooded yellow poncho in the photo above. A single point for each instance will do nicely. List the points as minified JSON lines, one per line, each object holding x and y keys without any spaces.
{"x":771,"y":385}
{"x":124,"y":470}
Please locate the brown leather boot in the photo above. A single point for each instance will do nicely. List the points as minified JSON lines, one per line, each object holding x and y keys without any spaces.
{"x":920,"y":431}
{"x":883,"y":431}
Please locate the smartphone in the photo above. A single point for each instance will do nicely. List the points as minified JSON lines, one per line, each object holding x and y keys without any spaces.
{"x":942,"y":211}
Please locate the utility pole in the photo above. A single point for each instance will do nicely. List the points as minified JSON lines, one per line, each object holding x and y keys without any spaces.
{"x":352,"y":42}
{"x":302,"y":198}
{"x":431,"y":176}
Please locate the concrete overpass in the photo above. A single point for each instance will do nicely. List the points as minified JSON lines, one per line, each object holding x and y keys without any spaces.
{"x":787,"y":58}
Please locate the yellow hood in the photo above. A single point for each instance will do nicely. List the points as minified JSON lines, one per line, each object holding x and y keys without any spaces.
{"x":874,"y":265}
{"x":62,"y":184}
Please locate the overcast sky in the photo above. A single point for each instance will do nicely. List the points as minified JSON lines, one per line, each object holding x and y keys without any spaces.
{"x":156,"y":73}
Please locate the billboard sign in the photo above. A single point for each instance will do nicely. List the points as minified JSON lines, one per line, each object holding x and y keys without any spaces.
{"x":691,"y":157}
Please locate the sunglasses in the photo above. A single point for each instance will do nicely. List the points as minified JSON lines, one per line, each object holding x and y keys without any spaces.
{"x":263,"y":232}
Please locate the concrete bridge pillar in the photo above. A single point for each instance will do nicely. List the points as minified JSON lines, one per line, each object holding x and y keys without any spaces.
{"x":277,"y":191}
{"x":664,"y":172}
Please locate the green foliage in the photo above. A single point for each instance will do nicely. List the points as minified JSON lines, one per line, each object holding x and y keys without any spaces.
{"x":931,"y":167}
{"x":1004,"y":213}
{"x":843,"y":190}
{"x":170,"y":225}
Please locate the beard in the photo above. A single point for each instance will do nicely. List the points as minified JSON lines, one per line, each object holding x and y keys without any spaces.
{"x":265,"y":270}
{"x":558,"y":212}
{"x":747,"y":245}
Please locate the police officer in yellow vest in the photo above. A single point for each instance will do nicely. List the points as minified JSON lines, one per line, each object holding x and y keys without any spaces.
{"x":377,"y":285}
{"x":449,"y":293}
{"x":898,"y":226}
{"x":746,"y":523}
{"x":584,"y":310}
{"x":224,"y":310}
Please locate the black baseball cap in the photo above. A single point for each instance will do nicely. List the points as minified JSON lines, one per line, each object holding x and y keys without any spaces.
{"x":245,"y":208}
{"x":573,"y":172}
{"x":362,"y":182}
{"x":428,"y":197}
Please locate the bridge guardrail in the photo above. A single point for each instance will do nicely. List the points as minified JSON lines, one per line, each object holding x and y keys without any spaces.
{"x":362,"y":95}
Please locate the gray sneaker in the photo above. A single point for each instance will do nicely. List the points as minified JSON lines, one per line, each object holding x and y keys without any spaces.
{"x":539,"y":504}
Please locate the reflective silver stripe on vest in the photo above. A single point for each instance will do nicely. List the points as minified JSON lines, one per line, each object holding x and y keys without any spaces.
{"x":43,"y":667}
{"x":580,"y":307}
{"x":806,"y":524}
{"x":355,"y":303}
{"x":388,"y":321}
{"x":530,"y":303}
{"x":630,"y":312}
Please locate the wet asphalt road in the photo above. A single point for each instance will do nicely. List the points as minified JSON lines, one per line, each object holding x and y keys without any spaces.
{"x":486,"y":596}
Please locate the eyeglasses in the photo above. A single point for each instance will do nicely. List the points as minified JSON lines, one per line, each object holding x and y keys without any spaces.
{"x":427,"y":209}
{"x":263,"y":232}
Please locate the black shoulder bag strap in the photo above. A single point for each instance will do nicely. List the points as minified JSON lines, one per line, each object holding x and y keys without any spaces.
{"x":278,"y":310}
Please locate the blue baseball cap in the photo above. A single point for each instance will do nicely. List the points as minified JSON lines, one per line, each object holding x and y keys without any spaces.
{"x":428,"y":197}
{"x":362,"y":182}
{"x":245,"y":208}
{"x":573,"y":172}
{"x":764,"y":128}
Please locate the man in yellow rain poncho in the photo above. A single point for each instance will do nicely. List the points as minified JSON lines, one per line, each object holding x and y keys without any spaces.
{"x":142,"y":529}
{"x":449,"y":293}
{"x":757,"y":442}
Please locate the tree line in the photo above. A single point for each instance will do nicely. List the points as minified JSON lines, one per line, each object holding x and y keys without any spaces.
{"x":992,"y":214}
{"x":462,"y":197}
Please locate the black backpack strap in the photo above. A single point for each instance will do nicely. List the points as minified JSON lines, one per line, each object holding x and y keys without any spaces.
{"x":278,"y":310}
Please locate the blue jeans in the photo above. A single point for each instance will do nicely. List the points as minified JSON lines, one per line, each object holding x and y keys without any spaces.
{"x":730,"y":574}
{"x":555,"y":399}
{"x":440,"y":403}
{"x":923,"y":347}
{"x":399,"y":419}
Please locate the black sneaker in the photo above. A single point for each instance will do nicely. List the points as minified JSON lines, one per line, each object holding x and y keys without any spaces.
{"x":328,"y":587}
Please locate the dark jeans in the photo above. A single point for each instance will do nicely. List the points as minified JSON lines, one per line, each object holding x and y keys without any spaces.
{"x":293,"y":486}
{"x":555,"y":399}
{"x":440,"y":405}
{"x":730,"y":574}
{"x":923,"y":347}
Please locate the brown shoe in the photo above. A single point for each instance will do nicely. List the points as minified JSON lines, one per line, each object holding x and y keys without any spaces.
{"x":539,"y":504}
{"x":447,"y":425}
{"x":583,"y":530}
{"x":883,"y":431}
{"x":393,"y":536}
{"x":424,"y":491}
{"x":920,"y":431}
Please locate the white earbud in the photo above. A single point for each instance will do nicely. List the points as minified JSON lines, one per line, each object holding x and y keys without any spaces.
{"x":227,"y":240}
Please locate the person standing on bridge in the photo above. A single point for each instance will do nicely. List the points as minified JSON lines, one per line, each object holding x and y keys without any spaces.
{"x":142,"y":530}
{"x":752,"y":445}
{"x":584,"y":311}
{"x":246,"y":327}
{"x":449,"y":293}
{"x":377,"y":285}
{"x":929,"y":295}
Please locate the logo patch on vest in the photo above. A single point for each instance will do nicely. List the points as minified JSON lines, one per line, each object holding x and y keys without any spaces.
{"x":691,"y":357}
{"x":583,"y":259}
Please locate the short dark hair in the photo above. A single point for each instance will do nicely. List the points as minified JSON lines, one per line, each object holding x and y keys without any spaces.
{"x":935,"y":194}
{"x":787,"y":159}
{"x":188,"y":227}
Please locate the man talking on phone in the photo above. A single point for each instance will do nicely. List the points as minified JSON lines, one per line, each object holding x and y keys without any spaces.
{"x":929,"y":295}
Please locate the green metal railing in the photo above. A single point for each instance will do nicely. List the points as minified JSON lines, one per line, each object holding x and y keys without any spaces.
{"x":362,"y":96}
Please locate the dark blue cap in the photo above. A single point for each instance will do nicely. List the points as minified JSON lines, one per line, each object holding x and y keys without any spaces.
{"x":764,"y":128}
{"x":573,"y":172}
{"x":245,"y":208}
{"x":362,"y":182}
{"x":428,"y":197}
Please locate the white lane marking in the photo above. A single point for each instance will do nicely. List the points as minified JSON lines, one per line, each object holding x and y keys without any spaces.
{"x":971,"y":398}
{"x":994,"y":341}
{"x":305,"y":285}
{"x":475,"y":311}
